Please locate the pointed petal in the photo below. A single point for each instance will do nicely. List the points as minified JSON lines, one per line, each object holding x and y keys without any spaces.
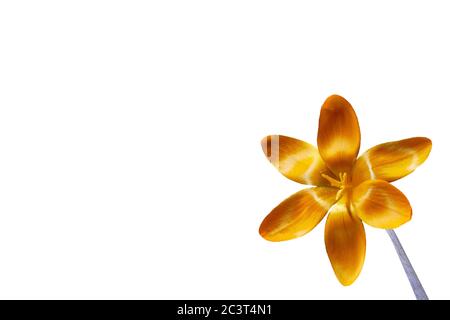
{"x":298,"y":214}
{"x":295,"y":159}
{"x":380,"y":204}
{"x":345,"y":240}
{"x":392,"y":160}
{"x":339,"y":137}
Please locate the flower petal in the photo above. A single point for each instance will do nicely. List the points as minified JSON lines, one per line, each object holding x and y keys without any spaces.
{"x":392,"y":160}
{"x":339,"y":137}
{"x":298,"y":214}
{"x":380,"y":204}
{"x":295,"y":159}
{"x":345,"y":240}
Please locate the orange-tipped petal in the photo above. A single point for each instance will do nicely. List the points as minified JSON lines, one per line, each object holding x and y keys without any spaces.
{"x":380,"y":204}
{"x":392,"y":160}
{"x":298,"y":214}
{"x":345,"y":240}
{"x":295,"y":159}
{"x":339,"y":137}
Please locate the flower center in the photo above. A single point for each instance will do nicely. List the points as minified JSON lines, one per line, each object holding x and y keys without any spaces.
{"x":343,"y":183}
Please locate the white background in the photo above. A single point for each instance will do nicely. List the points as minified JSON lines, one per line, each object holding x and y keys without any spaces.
{"x":130,"y":158}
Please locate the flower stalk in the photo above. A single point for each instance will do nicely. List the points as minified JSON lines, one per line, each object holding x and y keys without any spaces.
{"x":414,"y":281}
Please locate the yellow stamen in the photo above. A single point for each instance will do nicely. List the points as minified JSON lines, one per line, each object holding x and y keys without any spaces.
{"x":344,"y":179}
{"x":342,"y":183}
{"x":332,"y":181}
{"x":339,"y":194}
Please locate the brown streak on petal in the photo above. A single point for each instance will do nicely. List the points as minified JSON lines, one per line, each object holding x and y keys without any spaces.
{"x":298,"y":214}
{"x":345,"y":241}
{"x":392,"y":160}
{"x":295,"y":159}
{"x":380,"y":204}
{"x":339,"y":135}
